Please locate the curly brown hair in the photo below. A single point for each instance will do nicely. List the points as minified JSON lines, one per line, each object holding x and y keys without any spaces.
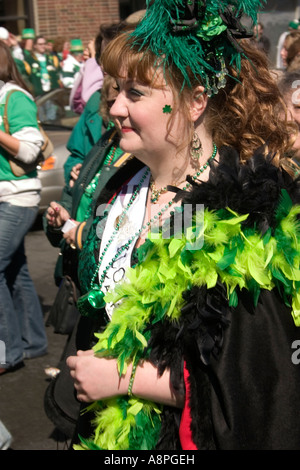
{"x":247,"y":114}
{"x":250,"y":111}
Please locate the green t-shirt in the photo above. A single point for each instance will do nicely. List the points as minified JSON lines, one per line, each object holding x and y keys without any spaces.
{"x":21,"y":112}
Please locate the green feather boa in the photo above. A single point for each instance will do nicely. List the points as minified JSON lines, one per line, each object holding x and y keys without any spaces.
{"x":241,"y":258}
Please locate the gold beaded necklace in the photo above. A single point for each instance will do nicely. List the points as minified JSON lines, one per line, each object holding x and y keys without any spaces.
{"x":156,"y":193}
{"x":88,"y":303}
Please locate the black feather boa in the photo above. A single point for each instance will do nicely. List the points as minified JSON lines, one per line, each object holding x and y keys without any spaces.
{"x":200,"y":332}
{"x":253,"y":188}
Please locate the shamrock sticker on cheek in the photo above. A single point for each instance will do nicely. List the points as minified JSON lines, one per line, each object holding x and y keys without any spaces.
{"x":167,"y":109}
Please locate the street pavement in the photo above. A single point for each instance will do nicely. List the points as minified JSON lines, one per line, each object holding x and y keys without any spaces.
{"x":22,"y":392}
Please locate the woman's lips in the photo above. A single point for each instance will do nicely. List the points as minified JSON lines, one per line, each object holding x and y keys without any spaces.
{"x":126,"y":129}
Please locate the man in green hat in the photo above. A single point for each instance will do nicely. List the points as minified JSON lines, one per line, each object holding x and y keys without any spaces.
{"x":27,"y":43}
{"x":73,"y":63}
{"x":21,"y":48}
{"x":43,"y":69}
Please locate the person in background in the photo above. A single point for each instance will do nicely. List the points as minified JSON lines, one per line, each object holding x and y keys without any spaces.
{"x":4,"y":35}
{"x":289,"y":49}
{"x":5,"y":437}
{"x":289,"y":85}
{"x":49,"y":46}
{"x":259,"y":38}
{"x":11,"y":41}
{"x":90,"y":126}
{"x":293,"y":26}
{"x":84,"y":183}
{"x":61,"y":48}
{"x":21,"y":318}
{"x":17,"y":52}
{"x":292,"y":52}
{"x":88,"y":81}
{"x":78,"y":203}
{"x":197,"y":317}
{"x":43,"y":70}
{"x":27,"y":41}
{"x":73,"y":63}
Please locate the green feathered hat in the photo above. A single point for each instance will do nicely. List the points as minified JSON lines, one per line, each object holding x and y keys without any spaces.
{"x":197,"y":35}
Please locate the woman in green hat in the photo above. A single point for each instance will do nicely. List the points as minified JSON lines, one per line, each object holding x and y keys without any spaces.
{"x":191,"y":268}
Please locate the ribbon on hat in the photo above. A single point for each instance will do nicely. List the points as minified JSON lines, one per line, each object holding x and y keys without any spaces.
{"x":235,"y":29}
{"x":189,"y":18}
{"x":193,"y":12}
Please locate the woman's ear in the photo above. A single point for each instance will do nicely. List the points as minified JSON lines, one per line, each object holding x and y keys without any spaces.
{"x":198,"y":103}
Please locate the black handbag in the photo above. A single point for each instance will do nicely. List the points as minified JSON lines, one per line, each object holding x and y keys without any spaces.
{"x":63,"y":314}
{"x":60,"y":399}
{"x":60,"y":402}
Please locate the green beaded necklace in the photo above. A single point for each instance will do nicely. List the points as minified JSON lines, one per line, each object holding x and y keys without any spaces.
{"x":94,"y":299}
{"x":90,"y":189}
{"x":89,"y":303}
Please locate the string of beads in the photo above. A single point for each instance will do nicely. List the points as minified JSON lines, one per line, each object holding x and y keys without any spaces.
{"x":95,"y":296}
{"x":156,"y":193}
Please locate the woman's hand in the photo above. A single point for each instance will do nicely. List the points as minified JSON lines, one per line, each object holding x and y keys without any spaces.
{"x":74,"y":174}
{"x":86,"y":54}
{"x":70,"y":236}
{"x":56,"y":215}
{"x":96,"y":378}
{"x":92,"y":48}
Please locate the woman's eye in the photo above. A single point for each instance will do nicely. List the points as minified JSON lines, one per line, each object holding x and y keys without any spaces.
{"x":135,"y":92}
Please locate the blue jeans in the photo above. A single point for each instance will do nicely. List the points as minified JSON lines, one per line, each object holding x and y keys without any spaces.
{"x":22,"y":326}
{"x":5,"y":437}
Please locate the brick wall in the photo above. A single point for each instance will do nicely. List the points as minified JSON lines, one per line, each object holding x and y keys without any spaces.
{"x":74,"y":18}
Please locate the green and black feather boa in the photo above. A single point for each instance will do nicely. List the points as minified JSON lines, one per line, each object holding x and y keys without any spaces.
{"x":251,"y":241}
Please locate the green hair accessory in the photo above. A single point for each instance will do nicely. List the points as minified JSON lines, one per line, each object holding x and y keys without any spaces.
{"x":200,"y":36}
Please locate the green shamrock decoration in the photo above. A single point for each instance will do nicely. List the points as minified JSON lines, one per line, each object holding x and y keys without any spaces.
{"x":167,"y":109}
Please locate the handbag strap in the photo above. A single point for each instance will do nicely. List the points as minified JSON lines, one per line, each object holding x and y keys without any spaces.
{"x":45,"y":136}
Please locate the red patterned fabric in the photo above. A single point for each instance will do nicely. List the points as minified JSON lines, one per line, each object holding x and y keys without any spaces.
{"x":185,"y":432}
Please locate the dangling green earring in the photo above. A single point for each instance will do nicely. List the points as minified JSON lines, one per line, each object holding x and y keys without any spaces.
{"x":167,"y":109}
{"x":196,"y":150}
